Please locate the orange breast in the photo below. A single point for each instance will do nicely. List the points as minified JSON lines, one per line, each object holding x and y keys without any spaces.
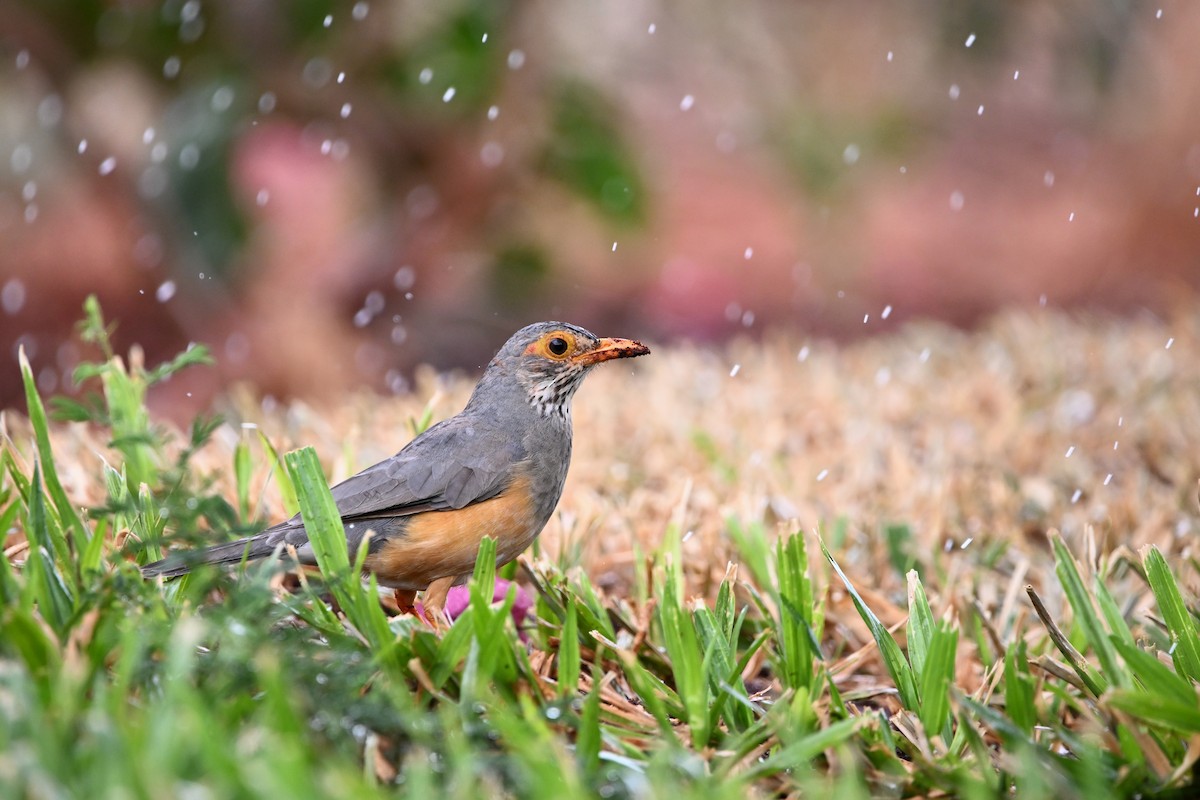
{"x":439,"y":544}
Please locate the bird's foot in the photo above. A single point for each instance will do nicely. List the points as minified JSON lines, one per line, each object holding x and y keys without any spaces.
{"x":434,"y":603}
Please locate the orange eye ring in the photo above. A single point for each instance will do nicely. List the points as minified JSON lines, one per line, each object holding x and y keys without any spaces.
{"x":557,"y":345}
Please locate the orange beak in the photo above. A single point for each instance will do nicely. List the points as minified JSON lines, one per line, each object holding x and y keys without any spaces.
{"x":608,"y":349}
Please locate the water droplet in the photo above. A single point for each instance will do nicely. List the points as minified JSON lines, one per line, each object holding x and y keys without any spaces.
{"x":171,"y":67}
{"x":889,"y":56}
{"x":345,"y":112}
{"x":49,"y":111}
{"x":1070,"y":451}
{"x":165,"y":291}
{"x":1075,"y":497}
{"x":687,"y":102}
{"x":1108,"y":479}
{"x":970,"y":40}
{"x":803,"y":354}
{"x":651,"y":29}
{"x":31,"y":213}
{"x":866,"y":318}
{"x":851,"y":154}
{"x":189,"y":156}
{"x":108,"y":165}
{"x":21,"y":159}
{"x":266,"y":102}
{"x":484,"y":40}
{"x":222,"y":99}
{"x":822,"y":475}
{"x":1071,"y":217}
{"x":493,"y":112}
{"x":736,"y":369}
{"x":614,"y":247}
{"x":262,"y":197}
{"x":954,"y":91}
{"x":317,"y":72}
{"x":516,"y":59}
{"x":425,"y":75}
{"x":956,"y":200}
{"x":448,"y":95}
{"x":887,"y":312}
{"x":1048,"y":178}
{"x":979,"y":112}
{"x":748,"y":253}
{"x":553,"y":713}
{"x":22,"y":60}
{"x":404,"y":278}
{"x":747,"y":319}
{"x":924,"y":355}
{"x":359,"y":13}
{"x":158,"y":153}
{"x":190,"y":11}
{"x":328,"y":21}
{"x":1170,"y":342}
{"x":152,"y":182}
{"x":12,"y":296}
{"x":1016,"y":74}
{"x":29,"y":191}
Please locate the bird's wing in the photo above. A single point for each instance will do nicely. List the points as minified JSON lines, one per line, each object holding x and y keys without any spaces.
{"x":453,"y":464}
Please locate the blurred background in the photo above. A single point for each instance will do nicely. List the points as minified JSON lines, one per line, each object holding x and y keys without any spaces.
{"x":329,"y":193}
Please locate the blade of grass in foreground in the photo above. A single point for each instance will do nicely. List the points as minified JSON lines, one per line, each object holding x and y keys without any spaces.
{"x":1185,"y":642}
{"x":893,"y":658}
{"x":1085,"y":612}
{"x":328,"y":537}
{"x":41,"y":433}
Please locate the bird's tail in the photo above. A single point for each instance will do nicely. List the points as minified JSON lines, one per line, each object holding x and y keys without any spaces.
{"x":249,"y":548}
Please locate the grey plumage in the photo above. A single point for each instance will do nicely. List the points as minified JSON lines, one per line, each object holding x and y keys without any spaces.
{"x":516,"y":422}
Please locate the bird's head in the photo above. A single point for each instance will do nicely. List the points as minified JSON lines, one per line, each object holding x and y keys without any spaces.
{"x":549,"y":360}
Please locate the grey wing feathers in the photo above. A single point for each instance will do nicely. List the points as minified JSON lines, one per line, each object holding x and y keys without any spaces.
{"x":453,"y":464}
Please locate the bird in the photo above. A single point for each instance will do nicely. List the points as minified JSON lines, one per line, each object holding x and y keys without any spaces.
{"x":496,"y":469}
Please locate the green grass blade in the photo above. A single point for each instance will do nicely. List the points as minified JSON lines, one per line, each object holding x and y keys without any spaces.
{"x":920,"y":630}
{"x":1085,"y":612}
{"x":242,"y":470}
{"x":47,"y":586}
{"x":936,"y":679}
{"x":68,"y":517}
{"x":287,"y":487}
{"x":1154,"y":675}
{"x":1018,"y":690}
{"x":568,"y":653}
{"x":897,"y":666}
{"x":1158,"y":709}
{"x":1185,"y":642}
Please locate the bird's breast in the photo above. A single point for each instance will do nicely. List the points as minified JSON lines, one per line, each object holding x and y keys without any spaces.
{"x":438,"y":544}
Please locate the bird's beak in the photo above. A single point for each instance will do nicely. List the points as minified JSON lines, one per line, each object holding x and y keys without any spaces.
{"x":609,"y":349}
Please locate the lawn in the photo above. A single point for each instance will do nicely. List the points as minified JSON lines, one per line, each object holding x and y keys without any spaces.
{"x":927,"y":563}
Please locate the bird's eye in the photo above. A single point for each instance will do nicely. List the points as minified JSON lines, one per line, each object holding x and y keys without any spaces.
{"x":558,"y":345}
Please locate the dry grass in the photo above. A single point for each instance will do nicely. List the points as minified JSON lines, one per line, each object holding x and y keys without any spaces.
{"x":978,"y":444}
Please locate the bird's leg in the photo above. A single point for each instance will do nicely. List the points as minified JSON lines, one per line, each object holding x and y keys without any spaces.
{"x":434,"y":600}
{"x":406,"y":601}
